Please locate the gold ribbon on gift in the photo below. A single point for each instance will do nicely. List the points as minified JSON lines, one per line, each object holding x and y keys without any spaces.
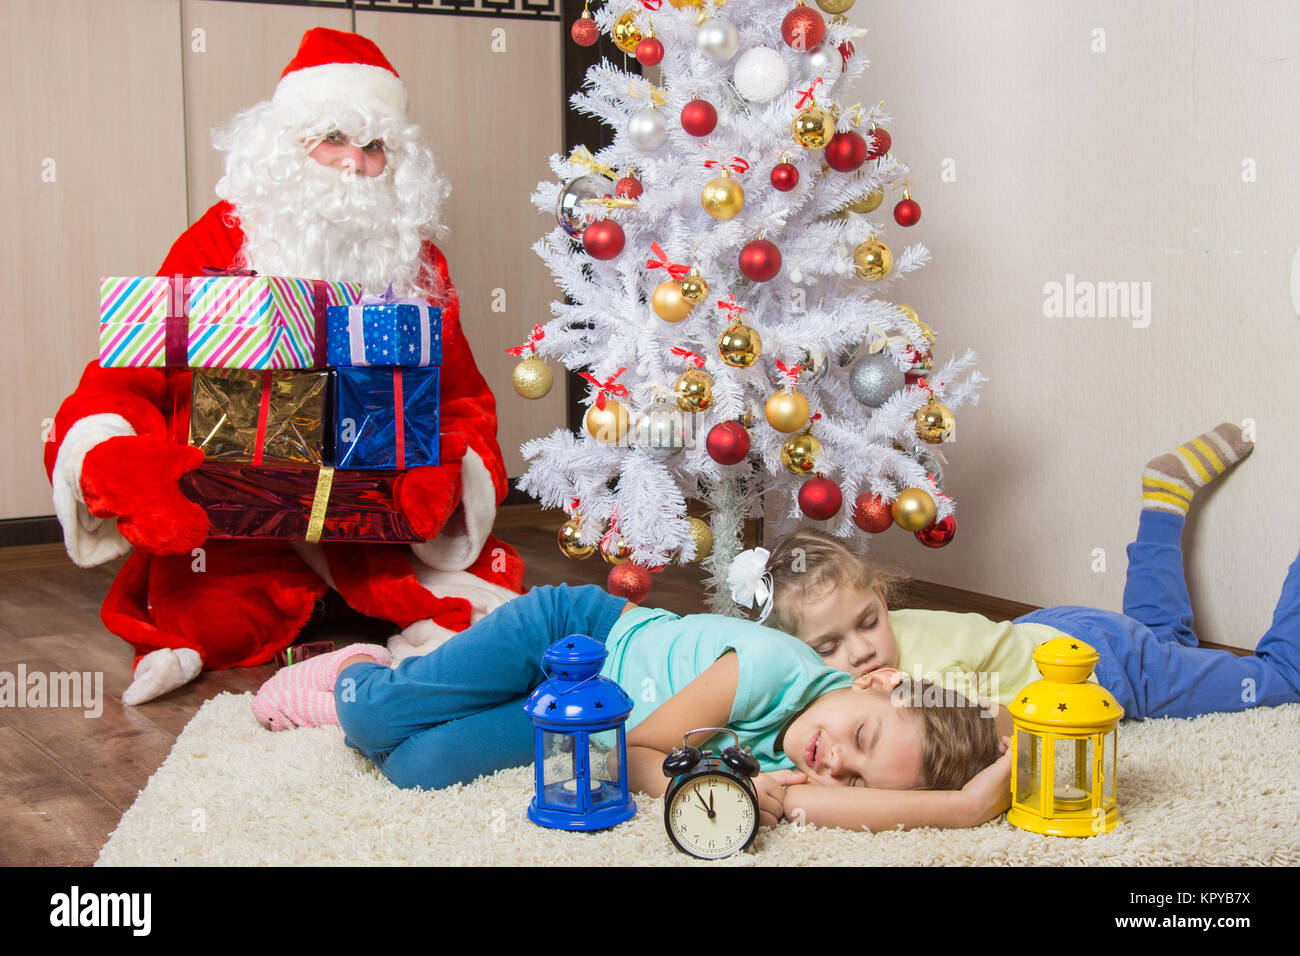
{"x":320,"y":501}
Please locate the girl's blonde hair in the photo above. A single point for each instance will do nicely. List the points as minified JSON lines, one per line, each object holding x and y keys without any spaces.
{"x":805,"y":562}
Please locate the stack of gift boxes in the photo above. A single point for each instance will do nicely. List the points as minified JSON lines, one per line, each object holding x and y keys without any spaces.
{"x":308,"y":399}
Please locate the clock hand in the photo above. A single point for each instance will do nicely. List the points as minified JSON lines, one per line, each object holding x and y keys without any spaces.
{"x":710,"y":803}
{"x":707,"y":809}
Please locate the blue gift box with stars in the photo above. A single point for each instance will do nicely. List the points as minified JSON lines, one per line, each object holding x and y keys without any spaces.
{"x":384,"y":331}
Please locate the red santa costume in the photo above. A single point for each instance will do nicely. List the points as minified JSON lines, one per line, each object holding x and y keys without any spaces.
{"x":115,"y":471}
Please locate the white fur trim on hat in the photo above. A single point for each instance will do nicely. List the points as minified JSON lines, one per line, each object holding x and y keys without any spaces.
{"x":467,"y":530}
{"x":308,"y":92}
{"x":89,"y":540}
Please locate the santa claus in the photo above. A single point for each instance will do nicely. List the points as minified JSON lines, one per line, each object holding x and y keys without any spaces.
{"x":328,"y":179}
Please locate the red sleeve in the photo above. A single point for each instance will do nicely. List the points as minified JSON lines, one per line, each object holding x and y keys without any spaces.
{"x":468,"y":407}
{"x":215,"y":241}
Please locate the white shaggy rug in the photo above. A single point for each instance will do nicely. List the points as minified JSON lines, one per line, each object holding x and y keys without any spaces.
{"x":1218,"y":790}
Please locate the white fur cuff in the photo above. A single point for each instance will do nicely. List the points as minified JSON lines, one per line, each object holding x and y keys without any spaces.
{"x":89,"y":540}
{"x":466,"y":531}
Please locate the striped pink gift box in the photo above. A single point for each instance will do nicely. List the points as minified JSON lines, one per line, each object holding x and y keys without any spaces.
{"x":225,"y":321}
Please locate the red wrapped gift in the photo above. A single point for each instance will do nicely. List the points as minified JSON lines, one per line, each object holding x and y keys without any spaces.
{"x":298,"y":503}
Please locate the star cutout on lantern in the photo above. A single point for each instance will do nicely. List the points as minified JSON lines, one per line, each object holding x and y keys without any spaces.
{"x":1074,"y":647}
{"x":1061,"y":707}
{"x":599,"y":705}
{"x":1105,"y":703}
{"x":1024,"y":700}
{"x":569,"y":646}
{"x":551,"y":705}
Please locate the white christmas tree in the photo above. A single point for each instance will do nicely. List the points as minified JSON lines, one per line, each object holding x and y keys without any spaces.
{"x":730,"y":277}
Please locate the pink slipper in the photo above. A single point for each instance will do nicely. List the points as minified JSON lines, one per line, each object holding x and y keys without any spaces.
{"x":302,"y":695}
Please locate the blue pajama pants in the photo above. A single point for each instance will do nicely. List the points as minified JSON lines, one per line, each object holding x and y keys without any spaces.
{"x":458,"y":712}
{"x":1149,"y":655}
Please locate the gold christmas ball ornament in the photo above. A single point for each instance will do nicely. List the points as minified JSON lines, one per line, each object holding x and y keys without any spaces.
{"x":694,"y":390}
{"x":532,"y":378}
{"x":570,"y":546}
{"x":787,"y":411}
{"x":913,"y":509}
{"x":614,"y":549}
{"x":609,"y":424}
{"x":836,"y":6}
{"x":813,"y":128}
{"x":625,"y":32}
{"x":868,"y":203}
{"x":723,"y":197}
{"x":694,"y":288}
{"x":703,"y":538}
{"x":669,"y":303}
{"x":801,"y":453}
{"x":740,"y":346}
{"x":873,"y":260}
{"x":934,"y":422}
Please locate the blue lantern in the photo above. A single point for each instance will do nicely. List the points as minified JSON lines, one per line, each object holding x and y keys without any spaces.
{"x":576,"y":789}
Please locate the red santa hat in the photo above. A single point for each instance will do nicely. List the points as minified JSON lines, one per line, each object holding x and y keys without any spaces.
{"x":332,"y":68}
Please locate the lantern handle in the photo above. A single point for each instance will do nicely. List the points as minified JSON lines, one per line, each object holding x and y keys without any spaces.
{"x":546,"y":669}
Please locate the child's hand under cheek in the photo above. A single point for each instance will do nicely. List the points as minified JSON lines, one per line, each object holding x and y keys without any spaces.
{"x":771,"y":794}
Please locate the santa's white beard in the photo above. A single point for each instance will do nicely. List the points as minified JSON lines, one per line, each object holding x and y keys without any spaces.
{"x":332,"y":225}
{"x":302,"y":218}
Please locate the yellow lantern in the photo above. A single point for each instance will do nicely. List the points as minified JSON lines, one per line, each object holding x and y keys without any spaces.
{"x":1063,"y":746}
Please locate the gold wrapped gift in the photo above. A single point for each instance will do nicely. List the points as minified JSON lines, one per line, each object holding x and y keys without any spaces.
{"x":242,"y":415}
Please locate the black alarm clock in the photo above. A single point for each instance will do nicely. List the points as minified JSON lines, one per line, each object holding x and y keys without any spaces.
{"x":711,"y":807}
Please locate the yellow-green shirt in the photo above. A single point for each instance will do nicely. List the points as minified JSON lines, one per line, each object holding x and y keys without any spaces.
{"x":968,"y":652}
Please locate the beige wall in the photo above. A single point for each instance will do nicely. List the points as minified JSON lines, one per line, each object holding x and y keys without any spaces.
{"x":1123,"y":165}
{"x":123,"y":95}
{"x":90,"y":99}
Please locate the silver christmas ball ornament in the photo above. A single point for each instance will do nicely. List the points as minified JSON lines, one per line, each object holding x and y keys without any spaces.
{"x":660,"y":430}
{"x":874,"y":378}
{"x":718,"y":39}
{"x":824,"y":61}
{"x":647,"y":128}
{"x":932,"y":467}
{"x":571,"y":209}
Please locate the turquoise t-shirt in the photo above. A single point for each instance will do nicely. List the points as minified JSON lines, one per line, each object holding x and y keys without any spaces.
{"x":653,"y":654}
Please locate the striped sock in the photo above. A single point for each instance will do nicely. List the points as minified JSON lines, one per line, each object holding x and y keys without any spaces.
{"x":302,"y":695}
{"x":1170,"y":481}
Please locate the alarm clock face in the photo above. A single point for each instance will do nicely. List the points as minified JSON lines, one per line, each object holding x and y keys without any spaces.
{"x":711,"y":815}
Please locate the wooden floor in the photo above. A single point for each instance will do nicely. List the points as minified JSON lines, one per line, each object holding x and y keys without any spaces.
{"x":66,"y":779}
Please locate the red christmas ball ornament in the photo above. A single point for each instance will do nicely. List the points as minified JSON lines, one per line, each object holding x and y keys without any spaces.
{"x":939,"y":533}
{"x":881,"y":141}
{"x":907,"y":212}
{"x":846,"y":151}
{"x":760,"y":260}
{"x":820,"y":498}
{"x":649,"y":51}
{"x":803,"y":28}
{"x":603,"y":239}
{"x":629,"y":187}
{"x":785,"y":176}
{"x":728,"y":443}
{"x":629,"y":580}
{"x":584,"y":31}
{"x":871,"y":513}
{"x":699,"y":118}
{"x":846,"y":51}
